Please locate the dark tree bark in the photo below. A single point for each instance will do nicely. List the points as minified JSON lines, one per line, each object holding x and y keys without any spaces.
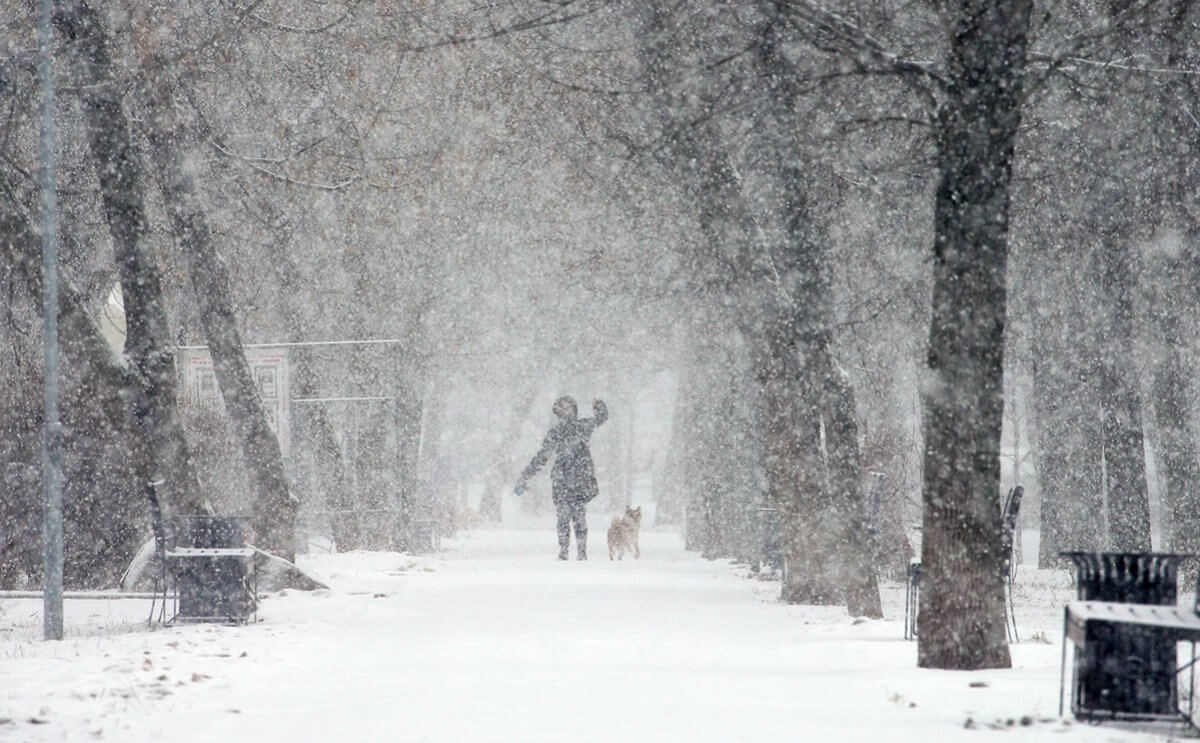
{"x":406,"y":423}
{"x":101,"y":530}
{"x":162,"y":453}
{"x":675,"y":492}
{"x":81,"y":338}
{"x":962,"y":603}
{"x":861,"y":582}
{"x":170,"y":133}
{"x":1172,"y":292}
{"x":1124,"y":448}
{"x":829,"y":551}
{"x":1066,"y":403}
{"x":796,"y":487}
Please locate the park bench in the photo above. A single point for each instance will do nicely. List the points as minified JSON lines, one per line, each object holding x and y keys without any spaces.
{"x":1126,"y":630}
{"x":208,"y":571}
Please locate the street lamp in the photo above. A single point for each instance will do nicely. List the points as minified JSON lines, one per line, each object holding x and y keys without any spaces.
{"x":52,"y":571}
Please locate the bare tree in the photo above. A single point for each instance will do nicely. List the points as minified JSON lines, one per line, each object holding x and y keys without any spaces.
{"x":962,"y":606}
{"x":162,"y":454}
{"x":169,"y":134}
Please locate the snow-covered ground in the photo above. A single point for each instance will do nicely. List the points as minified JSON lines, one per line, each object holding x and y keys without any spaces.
{"x":494,"y":640}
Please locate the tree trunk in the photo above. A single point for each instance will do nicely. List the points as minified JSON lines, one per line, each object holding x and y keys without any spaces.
{"x":962,"y":602}
{"x":1066,"y":405}
{"x":1124,"y":448}
{"x":1172,"y":293}
{"x":860,"y":581}
{"x":274,"y":509}
{"x":101,"y":528}
{"x":162,"y":455}
{"x":828,"y":549}
{"x":331,"y":469}
{"x":796,"y":487}
{"x":406,"y":423}
{"x":317,"y":426}
{"x":81,"y":338}
{"x":668,"y":490}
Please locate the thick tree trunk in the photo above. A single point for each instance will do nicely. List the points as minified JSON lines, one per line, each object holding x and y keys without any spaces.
{"x":316,"y":423}
{"x":102,"y":529}
{"x":796,"y":486}
{"x":1177,"y":448}
{"x":162,"y":453}
{"x":1067,"y":407}
{"x":331,"y":470}
{"x":962,"y":602}
{"x":1172,"y":292}
{"x":274,"y":508}
{"x":406,"y":422}
{"x":81,"y":338}
{"x":861,"y":582}
{"x":829,"y":556}
{"x":1124,"y":448}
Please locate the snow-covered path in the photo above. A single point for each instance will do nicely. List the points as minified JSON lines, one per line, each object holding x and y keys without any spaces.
{"x":493,"y":639}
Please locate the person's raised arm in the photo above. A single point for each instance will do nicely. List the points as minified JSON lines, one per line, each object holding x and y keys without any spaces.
{"x":539,"y":461}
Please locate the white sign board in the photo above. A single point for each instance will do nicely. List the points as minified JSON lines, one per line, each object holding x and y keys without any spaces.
{"x":268,"y":369}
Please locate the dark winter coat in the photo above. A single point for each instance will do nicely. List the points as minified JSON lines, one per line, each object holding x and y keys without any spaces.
{"x":573,"y":477}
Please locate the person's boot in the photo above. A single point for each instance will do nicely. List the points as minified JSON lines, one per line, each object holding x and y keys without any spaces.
{"x":580,"y":541}
{"x":562,"y":555}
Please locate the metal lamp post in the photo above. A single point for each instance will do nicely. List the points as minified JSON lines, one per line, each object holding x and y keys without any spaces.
{"x":52,"y":576}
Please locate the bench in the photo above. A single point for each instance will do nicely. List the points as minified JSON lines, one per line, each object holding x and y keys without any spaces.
{"x":1127,"y":675}
{"x":208,"y":570}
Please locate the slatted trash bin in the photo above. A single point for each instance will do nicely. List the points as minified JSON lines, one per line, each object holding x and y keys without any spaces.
{"x":1125,"y":670}
{"x":212,"y":568}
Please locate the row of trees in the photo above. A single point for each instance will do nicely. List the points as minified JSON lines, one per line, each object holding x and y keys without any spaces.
{"x":530,"y":198}
{"x":759,"y":115}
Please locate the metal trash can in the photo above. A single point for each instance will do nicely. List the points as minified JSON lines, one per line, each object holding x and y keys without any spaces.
{"x":211,"y":565}
{"x":1126,"y":670}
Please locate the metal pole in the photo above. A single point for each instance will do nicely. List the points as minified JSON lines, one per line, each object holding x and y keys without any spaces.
{"x":52,"y":576}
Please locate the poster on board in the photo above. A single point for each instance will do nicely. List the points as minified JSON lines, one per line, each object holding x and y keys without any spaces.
{"x":268,"y":369}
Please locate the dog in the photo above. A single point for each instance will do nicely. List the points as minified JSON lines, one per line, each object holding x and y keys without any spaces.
{"x":623,"y":534}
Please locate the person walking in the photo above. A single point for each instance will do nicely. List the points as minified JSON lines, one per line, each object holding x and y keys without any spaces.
{"x":573,"y":477}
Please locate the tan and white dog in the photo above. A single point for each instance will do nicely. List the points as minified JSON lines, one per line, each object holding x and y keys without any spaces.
{"x":623,"y":534}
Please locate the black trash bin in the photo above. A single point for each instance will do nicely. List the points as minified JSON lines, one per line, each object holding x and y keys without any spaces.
{"x":1126,"y":670}
{"x":211,"y":565}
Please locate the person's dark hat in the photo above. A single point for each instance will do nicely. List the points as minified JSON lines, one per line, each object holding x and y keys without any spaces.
{"x":565,"y":407}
